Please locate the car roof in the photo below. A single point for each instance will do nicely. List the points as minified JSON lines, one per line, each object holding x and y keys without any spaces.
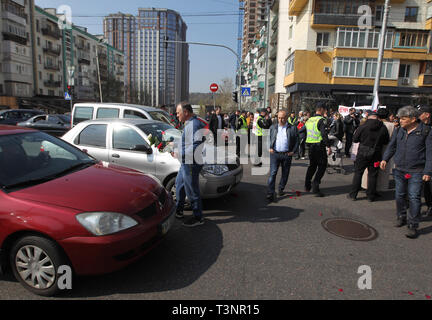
{"x":144,"y":108}
{"x":6,"y":130}
{"x":124,"y":121}
{"x":25,"y":110}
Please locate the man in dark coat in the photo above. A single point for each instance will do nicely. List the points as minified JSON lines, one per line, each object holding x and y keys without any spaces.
{"x":372,"y":136}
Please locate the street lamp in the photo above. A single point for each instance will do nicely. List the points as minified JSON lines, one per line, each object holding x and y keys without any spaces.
{"x":214,"y":45}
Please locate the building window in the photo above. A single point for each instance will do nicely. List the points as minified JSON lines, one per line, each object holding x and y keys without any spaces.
{"x":363,"y":68}
{"x":404,"y":71}
{"x":411,"y":14}
{"x":379,"y":13}
{"x":322,"y":39}
{"x":411,"y":39}
{"x":289,"y":66}
{"x":361,"y":38}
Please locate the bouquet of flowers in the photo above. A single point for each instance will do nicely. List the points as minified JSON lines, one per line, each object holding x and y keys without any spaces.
{"x":162,"y":146}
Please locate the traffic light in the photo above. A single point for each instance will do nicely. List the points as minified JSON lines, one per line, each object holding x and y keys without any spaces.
{"x":235,"y":96}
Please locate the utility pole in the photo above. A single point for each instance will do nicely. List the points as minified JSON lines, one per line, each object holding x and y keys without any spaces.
{"x":98,"y":71}
{"x":381,"y":48}
{"x":220,"y":46}
{"x":267,"y":56}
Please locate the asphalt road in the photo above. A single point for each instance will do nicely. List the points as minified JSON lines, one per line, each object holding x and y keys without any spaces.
{"x":251,"y":250}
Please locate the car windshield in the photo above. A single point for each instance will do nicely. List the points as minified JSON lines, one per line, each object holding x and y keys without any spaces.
{"x":160,"y":116}
{"x":33,"y":158}
{"x":162,"y":131}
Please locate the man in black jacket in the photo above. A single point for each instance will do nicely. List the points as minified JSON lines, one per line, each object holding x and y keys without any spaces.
{"x":372,"y":136}
{"x":352,"y":122}
{"x":425,"y":117}
{"x":216,"y":123}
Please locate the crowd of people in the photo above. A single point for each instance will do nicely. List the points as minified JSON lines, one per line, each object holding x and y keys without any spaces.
{"x":380,"y":143}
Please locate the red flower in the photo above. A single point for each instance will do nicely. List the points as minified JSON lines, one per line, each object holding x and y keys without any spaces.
{"x":408,"y":176}
{"x":428,"y":297}
{"x":377,"y":164}
{"x":298,"y":193}
{"x":410,"y":293}
{"x":341,"y":290}
{"x":160,"y":146}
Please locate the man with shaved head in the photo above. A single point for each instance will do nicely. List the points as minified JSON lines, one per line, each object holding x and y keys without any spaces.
{"x":284,"y":144}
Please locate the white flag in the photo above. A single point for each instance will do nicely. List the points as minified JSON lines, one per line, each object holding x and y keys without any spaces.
{"x":375,"y":103}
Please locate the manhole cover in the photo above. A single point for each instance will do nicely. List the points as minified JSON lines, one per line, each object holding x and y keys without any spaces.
{"x":350,"y":229}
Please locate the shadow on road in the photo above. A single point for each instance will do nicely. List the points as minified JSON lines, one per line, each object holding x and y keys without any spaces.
{"x":179,"y":260}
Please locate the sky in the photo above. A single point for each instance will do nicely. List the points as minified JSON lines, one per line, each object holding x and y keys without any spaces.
{"x":207,"y":64}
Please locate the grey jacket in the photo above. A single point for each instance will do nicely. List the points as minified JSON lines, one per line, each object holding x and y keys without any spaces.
{"x":292,"y":135}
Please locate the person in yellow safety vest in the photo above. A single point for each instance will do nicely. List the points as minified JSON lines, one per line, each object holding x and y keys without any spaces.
{"x":292,"y":120}
{"x":242,"y":129}
{"x":317,"y":141}
{"x":264,"y":123}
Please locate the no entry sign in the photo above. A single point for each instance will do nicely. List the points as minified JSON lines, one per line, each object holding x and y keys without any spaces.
{"x":214,"y":88}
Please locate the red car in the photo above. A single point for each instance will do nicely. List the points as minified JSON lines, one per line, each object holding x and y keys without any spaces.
{"x":60,"y":207}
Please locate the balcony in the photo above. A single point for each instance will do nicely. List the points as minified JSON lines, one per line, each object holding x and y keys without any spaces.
{"x":53,"y":33}
{"x":296,"y":7}
{"x":20,"y":39}
{"x":52,"y":84}
{"x":272,"y":67}
{"x":274,"y":24}
{"x":84,"y":58}
{"x":273,"y":53}
{"x":53,"y":51}
{"x":52,"y":66}
{"x":333,"y":19}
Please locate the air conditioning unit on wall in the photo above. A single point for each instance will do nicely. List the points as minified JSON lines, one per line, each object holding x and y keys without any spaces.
{"x":405,"y":81}
{"x":327,"y":70}
{"x":319,"y":50}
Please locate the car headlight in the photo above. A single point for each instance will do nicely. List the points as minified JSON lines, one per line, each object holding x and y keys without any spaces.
{"x":105,"y":223}
{"x":217,"y":170}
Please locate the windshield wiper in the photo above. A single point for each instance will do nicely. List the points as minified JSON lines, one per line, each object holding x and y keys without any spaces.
{"x":37,"y":181}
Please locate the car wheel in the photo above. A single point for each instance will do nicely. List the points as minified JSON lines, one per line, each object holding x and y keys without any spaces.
{"x":35,"y":262}
{"x":171,"y":188}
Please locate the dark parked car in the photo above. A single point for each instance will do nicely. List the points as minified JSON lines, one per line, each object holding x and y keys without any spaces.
{"x":54,"y":124}
{"x":13,"y":117}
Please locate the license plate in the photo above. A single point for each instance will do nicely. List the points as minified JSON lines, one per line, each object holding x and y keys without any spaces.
{"x":166,"y":225}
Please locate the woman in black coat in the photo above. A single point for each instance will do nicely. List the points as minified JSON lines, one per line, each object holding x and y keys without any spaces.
{"x":337,"y":127}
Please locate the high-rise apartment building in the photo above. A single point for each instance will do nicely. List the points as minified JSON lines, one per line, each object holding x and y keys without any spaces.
{"x":158,"y":72}
{"x":119,"y":30}
{"x":255,"y":16}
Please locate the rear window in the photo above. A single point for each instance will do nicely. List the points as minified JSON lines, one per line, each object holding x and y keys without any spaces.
{"x":83,"y":114}
{"x":160,"y":116}
{"x":93,"y":135}
{"x":107,"y":113}
{"x":131,"y":114}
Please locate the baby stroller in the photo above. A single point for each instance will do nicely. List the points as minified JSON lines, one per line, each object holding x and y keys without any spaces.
{"x":335,"y":160}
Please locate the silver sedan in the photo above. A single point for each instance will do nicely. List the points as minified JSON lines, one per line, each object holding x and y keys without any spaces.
{"x":125,"y":142}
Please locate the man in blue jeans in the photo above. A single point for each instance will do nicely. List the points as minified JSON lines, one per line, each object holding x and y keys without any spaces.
{"x":284,"y":143}
{"x":187,"y":183}
{"x":411,"y":147}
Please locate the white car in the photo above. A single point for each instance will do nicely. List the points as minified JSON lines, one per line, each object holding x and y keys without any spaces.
{"x":125,"y":142}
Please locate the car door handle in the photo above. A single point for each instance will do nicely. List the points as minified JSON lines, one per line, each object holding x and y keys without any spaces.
{"x":116,"y":156}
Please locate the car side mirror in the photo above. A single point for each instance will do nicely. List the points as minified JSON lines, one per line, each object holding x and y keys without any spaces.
{"x":143,"y":148}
